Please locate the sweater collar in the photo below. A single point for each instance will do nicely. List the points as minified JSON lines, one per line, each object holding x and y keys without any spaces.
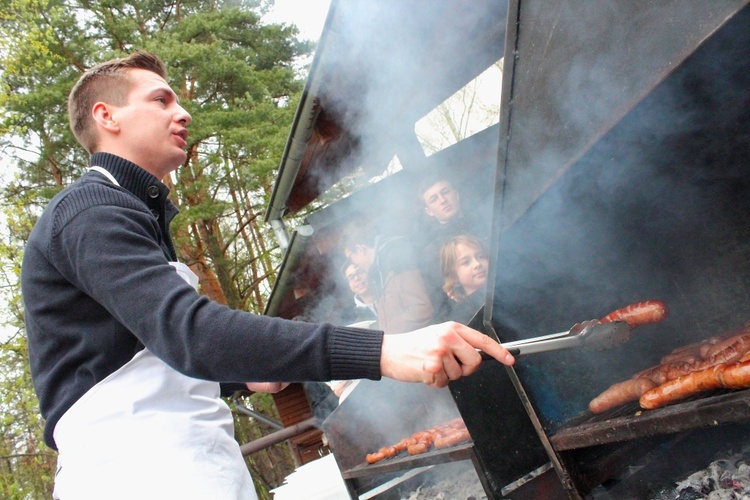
{"x":130,"y":176}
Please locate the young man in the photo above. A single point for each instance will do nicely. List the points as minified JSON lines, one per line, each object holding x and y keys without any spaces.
{"x":364,"y":293}
{"x":441,"y":201}
{"x":445,"y":218}
{"x":126,"y":356}
{"x":402,"y":302}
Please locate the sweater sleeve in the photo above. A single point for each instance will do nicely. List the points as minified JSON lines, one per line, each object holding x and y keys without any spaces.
{"x":111,"y":252}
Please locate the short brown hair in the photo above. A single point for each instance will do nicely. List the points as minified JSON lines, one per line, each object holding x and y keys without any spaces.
{"x":358,"y":232}
{"x":428,"y":180}
{"x":451,"y":286}
{"x":107,"y":82}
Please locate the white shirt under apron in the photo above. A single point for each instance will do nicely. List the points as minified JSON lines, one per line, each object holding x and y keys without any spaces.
{"x":150,"y":432}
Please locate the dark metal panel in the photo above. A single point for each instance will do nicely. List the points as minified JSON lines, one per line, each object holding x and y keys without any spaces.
{"x":623,"y":177}
{"x":657,"y":208}
{"x":579,"y":68}
{"x":506,"y":443}
{"x":632,"y":423}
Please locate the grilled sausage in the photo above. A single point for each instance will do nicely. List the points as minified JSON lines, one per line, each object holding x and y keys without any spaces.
{"x":448,"y":434}
{"x":734,"y":376}
{"x":682,"y":387}
{"x":401,"y":445}
{"x":688,"y":353}
{"x":453,"y":438}
{"x":730,"y":350}
{"x":710,"y":342}
{"x":639,"y":313}
{"x":657,"y":374}
{"x":620,"y":393}
{"x":418,"y":447}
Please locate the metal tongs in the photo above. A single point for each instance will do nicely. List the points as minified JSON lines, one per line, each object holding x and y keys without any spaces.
{"x":591,"y":335}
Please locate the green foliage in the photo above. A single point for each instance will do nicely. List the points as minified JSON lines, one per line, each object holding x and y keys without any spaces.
{"x":27,"y":466}
{"x":234,"y":75}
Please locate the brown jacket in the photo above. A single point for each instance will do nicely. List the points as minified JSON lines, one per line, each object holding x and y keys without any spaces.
{"x":403,"y":304}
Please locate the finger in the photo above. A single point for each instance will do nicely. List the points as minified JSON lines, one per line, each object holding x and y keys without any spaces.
{"x":269,"y":387}
{"x":485,"y":343}
{"x":475,"y":341}
{"x":454,"y":370}
{"x":439,"y":381}
{"x":433,"y":374}
{"x":465,"y":362}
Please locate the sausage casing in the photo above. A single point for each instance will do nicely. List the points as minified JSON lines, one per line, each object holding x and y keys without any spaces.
{"x":620,"y":393}
{"x":639,"y":313}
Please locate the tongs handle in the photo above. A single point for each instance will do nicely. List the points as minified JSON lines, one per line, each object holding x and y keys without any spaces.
{"x":540,"y":346}
{"x":590,"y":334}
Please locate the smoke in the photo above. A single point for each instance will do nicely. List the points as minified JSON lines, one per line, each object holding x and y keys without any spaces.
{"x":626,"y":172}
{"x":383,"y":67}
{"x":379,"y":414}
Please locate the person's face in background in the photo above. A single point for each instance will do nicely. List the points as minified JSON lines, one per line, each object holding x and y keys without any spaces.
{"x":441,"y":201}
{"x":357,"y":279}
{"x":472,"y":265}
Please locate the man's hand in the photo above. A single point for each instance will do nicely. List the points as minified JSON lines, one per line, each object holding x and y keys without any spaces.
{"x":437,"y":354}
{"x":270,"y":387}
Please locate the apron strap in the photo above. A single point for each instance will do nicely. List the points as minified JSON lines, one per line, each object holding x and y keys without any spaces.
{"x":105,"y":173}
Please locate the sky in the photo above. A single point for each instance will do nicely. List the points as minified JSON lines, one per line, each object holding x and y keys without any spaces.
{"x":308,"y":15}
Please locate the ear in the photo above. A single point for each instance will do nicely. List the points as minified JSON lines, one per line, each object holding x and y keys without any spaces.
{"x":428,"y":212}
{"x":104,"y":118}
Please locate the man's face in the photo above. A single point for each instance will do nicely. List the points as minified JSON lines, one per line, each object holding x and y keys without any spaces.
{"x":360,"y":256}
{"x":152,"y":131}
{"x":471,"y":267}
{"x":357,"y":279}
{"x":441,"y":201}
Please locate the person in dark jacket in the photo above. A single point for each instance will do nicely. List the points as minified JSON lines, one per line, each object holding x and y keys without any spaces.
{"x":443,"y":217}
{"x":402,"y":301}
{"x":127,"y":357}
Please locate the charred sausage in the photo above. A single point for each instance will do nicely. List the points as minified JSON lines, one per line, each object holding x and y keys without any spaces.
{"x":735,"y":376}
{"x":453,"y":438}
{"x":682,"y":387}
{"x":657,"y":374}
{"x":639,"y":313}
{"x":448,"y":434}
{"x":418,"y":447}
{"x":729,"y":350}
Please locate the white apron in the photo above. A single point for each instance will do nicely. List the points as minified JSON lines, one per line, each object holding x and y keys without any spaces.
{"x":150,"y":432}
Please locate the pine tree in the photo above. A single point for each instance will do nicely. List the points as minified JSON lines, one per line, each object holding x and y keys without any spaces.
{"x":237,"y":78}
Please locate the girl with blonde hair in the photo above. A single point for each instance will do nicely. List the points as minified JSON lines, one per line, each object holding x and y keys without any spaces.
{"x":464,"y":262}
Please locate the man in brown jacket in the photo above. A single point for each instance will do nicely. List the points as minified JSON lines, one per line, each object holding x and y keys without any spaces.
{"x":402,"y":301}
